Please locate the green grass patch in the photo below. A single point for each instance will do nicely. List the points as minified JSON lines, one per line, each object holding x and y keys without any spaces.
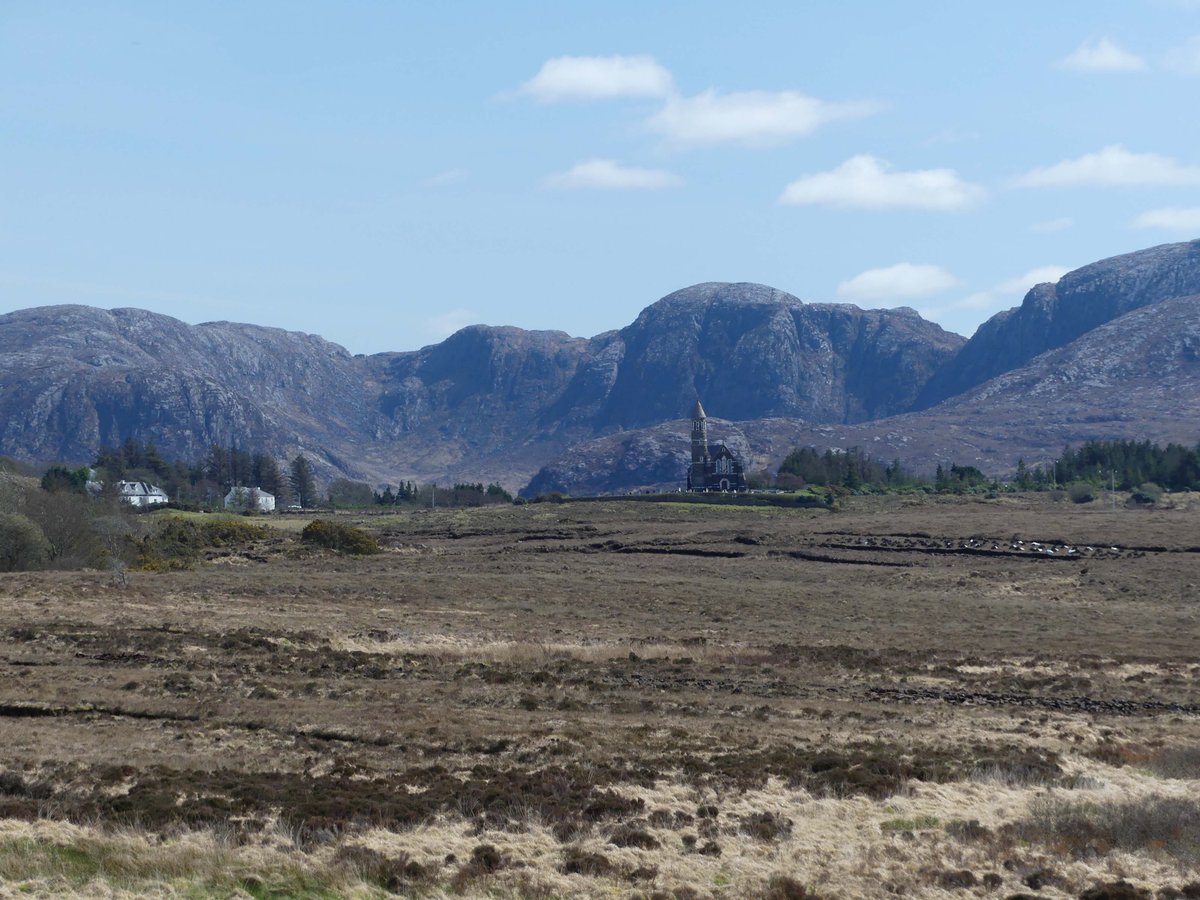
{"x":132,"y":866}
{"x":338,"y":536}
{"x":179,"y":543}
{"x":909,"y":825}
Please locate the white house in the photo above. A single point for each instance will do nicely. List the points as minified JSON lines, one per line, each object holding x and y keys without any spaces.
{"x":139,"y":493}
{"x":249,"y":498}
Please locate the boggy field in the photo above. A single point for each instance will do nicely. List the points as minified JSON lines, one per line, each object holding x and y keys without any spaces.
{"x":913,"y":697}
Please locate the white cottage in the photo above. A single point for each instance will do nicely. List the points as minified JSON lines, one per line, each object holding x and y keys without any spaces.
{"x":139,"y":493}
{"x":249,"y":498}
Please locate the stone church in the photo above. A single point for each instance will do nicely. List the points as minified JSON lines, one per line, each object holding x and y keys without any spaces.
{"x":715,"y":469}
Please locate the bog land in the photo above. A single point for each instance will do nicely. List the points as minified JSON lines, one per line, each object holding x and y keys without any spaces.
{"x":928,"y":696}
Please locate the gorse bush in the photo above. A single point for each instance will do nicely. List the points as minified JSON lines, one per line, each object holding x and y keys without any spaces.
{"x":22,"y":544}
{"x":1081,"y":492}
{"x":336,"y":536}
{"x":179,"y":543}
{"x":1169,"y":825}
{"x":1148,"y":493}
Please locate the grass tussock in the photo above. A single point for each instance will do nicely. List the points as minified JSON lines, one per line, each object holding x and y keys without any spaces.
{"x":340,"y":537}
{"x":197,"y":865}
{"x":1153,"y":824}
{"x":181,"y":543}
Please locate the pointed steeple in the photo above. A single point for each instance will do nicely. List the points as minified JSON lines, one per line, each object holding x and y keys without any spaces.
{"x":699,"y":435}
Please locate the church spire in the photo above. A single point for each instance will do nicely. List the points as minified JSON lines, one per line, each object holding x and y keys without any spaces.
{"x":699,"y":435}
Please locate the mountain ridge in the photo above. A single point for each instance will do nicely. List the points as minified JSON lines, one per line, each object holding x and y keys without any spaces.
{"x":501,"y":403}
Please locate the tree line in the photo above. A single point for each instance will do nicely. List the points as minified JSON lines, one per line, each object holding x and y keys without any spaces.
{"x":205,"y":482}
{"x":854,"y":469}
{"x":1139,"y":466}
{"x":1126,"y":464}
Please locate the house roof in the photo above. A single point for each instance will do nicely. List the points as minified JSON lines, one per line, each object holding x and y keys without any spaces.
{"x":139,"y":489}
{"x":233,"y":492}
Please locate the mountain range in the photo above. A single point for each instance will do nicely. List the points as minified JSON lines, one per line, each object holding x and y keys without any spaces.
{"x":1110,"y":350}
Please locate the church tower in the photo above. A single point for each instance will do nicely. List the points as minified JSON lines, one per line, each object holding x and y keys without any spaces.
{"x":714,"y":468}
{"x":699,"y":435}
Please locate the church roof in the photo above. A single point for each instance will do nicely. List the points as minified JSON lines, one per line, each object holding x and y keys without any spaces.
{"x":698,"y":412}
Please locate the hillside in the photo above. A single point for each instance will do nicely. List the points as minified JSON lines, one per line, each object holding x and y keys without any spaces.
{"x":488,"y":403}
{"x":1053,"y":315}
{"x":1137,"y":376}
{"x":1109,"y":351}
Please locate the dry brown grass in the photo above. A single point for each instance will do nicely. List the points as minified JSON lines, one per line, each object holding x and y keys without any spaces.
{"x":616,"y":700}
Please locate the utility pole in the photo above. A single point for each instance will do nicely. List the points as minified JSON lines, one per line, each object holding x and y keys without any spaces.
{"x":433,"y":496}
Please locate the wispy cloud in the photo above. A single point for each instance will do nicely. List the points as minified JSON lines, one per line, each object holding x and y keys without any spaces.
{"x":903,"y":281}
{"x":1184,"y":59}
{"x":446,"y":323}
{"x":866,"y":182}
{"x":1003,"y":294}
{"x":1060,"y":224}
{"x":443,"y":179}
{"x":608,"y":174}
{"x":598,"y":78}
{"x":1112,"y":166}
{"x":1102,"y":55}
{"x":748,"y":117}
{"x":1170,"y":219}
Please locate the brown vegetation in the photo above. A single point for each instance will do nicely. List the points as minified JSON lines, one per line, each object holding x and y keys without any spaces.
{"x":631,"y":699}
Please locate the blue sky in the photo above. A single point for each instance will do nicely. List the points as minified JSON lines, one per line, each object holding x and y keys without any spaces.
{"x":382,"y":173}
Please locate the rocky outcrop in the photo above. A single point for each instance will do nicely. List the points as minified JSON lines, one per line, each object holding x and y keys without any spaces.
{"x":1053,"y":315}
{"x":485,"y":404}
{"x":752,"y":351}
{"x":1136,"y":377}
{"x":499,"y":404}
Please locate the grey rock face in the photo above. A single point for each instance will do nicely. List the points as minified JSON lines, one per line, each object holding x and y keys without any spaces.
{"x":753,"y":351}
{"x":1053,"y":315}
{"x":485,"y":404}
{"x":1135,"y":377}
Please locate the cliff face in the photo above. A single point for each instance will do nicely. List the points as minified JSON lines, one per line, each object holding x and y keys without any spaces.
{"x":1053,"y":315}
{"x":500,"y":403}
{"x":753,"y":351}
{"x":486,"y":403}
{"x":1134,"y":377}
{"x":73,"y":378}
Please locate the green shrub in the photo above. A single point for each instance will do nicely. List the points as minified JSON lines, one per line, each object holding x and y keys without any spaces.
{"x":1148,"y":493}
{"x":231,"y":533}
{"x":1081,"y":492}
{"x":336,"y":536}
{"x":179,"y":543}
{"x":1168,"y":825}
{"x":22,"y":544}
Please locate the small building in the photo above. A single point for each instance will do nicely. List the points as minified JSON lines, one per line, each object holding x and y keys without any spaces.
{"x":250,"y":498}
{"x":141,"y":494}
{"x":713,"y":469}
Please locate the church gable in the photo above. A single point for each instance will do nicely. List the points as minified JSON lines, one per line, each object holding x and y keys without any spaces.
{"x":715,"y":468}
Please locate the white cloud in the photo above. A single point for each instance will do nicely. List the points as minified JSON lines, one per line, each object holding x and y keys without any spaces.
{"x":748,"y":117}
{"x":902,"y":281}
{"x":1053,"y":225}
{"x":1022,"y":283}
{"x":1003,"y":294}
{"x":866,"y":182}
{"x":1170,"y":219}
{"x":1102,"y":55}
{"x":1184,"y":59}
{"x":442,"y":179}
{"x":445,"y":324}
{"x":598,"y":78}
{"x":1112,"y":166}
{"x":607,"y":174}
